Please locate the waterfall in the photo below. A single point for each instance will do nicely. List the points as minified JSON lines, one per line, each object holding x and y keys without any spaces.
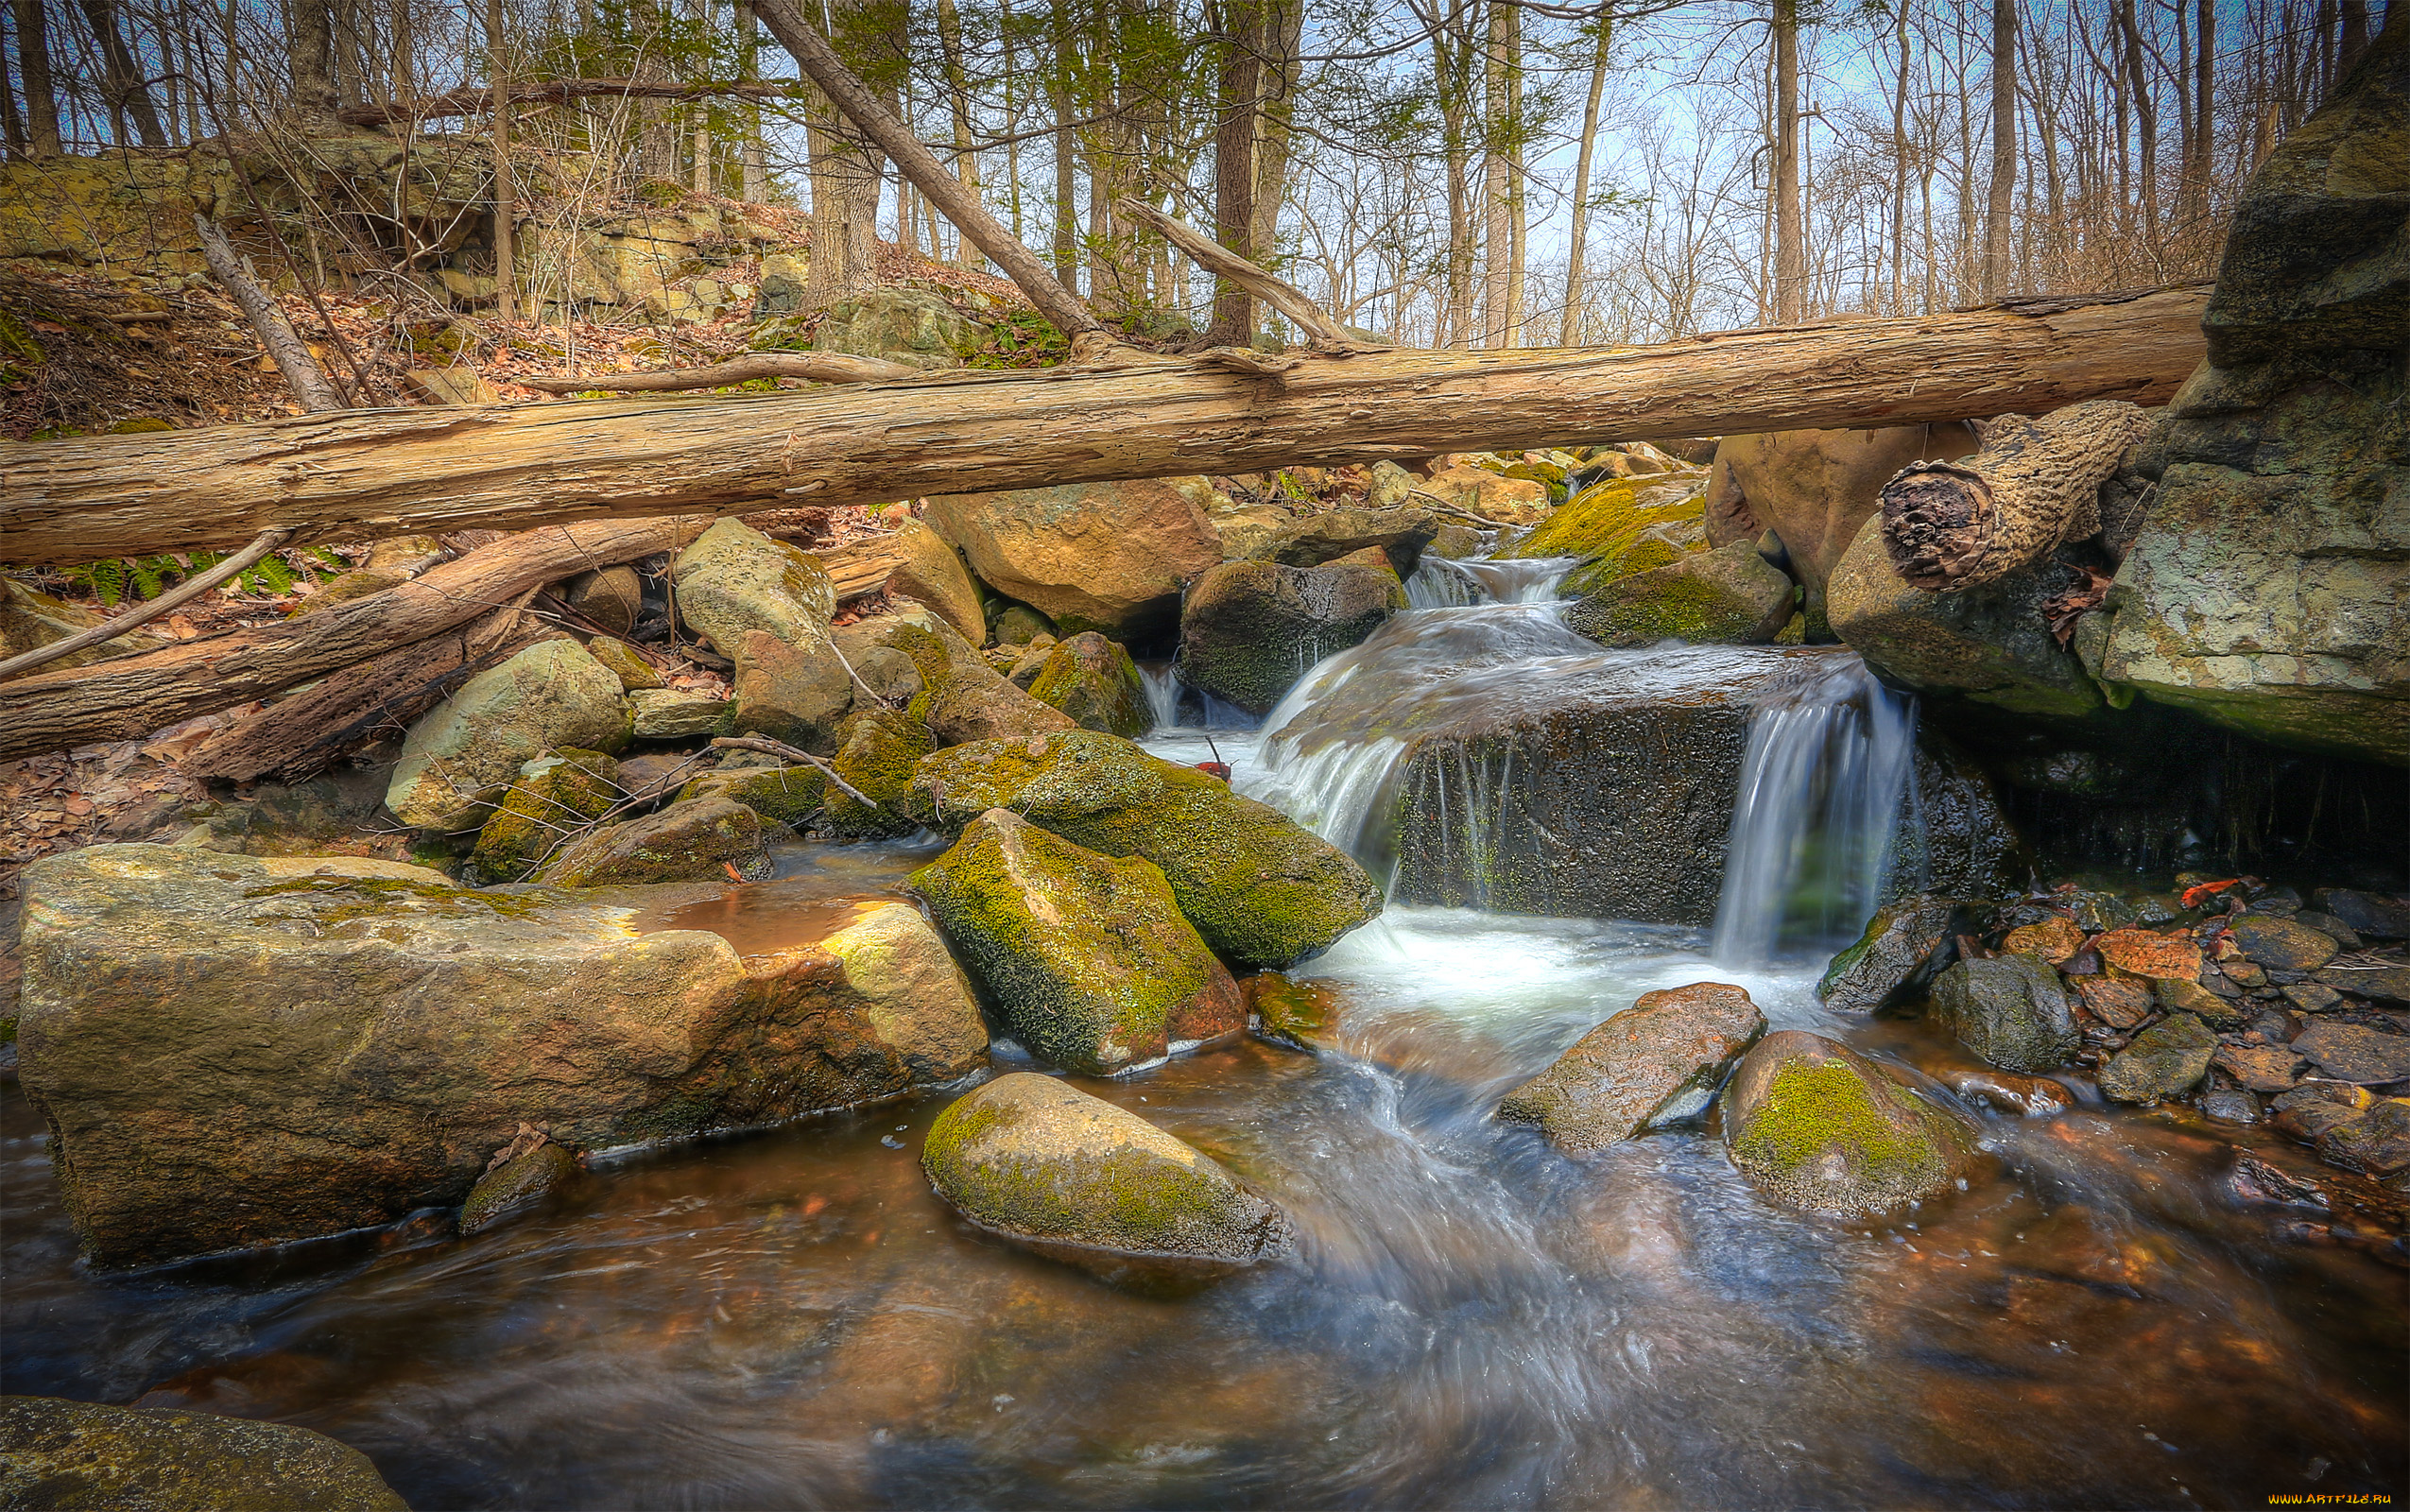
{"x":1162,"y":693}
{"x":1440,"y":583}
{"x":1830,"y":754}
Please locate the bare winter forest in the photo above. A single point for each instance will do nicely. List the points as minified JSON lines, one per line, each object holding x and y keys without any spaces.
{"x":1441,"y":172}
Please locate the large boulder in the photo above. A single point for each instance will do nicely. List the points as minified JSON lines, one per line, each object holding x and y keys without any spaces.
{"x":461,"y":756}
{"x":1815,"y":1125}
{"x":1815,"y":489}
{"x":83,"y":1456}
{"x":1261,"y":891}
{"x":877,"y":756}
{"x":1249,"y":630}
{"x":733,"y":579}
{"x":911,"y":326}
{"x":1073,"y":1176}
{"x":2011,"y":1010}
{"x":1991,"y":644}
{"x":1087,"y":956}
{"x":1107,"y":557}
{"x":1728,"y":596}
{"x":685,"y":842}
{"x":2268,"y":589}
{"x":933,"y":575}
{"x":1093,"y":682}
{"x":1491,"y":495}
{"x":235,"y":1050}
{"x":1656,"y":1062}
{"x":794,"y":691}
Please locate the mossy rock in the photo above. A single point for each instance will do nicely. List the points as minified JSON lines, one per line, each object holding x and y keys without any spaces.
{"x":1262,"y":891}
{"x":1095,"y":682}
{"x":1019,"y":625}
{"x":2168,"y":1059}
{"x":631,"y":669}
{"x":81,"y":1456}
{"x":1815,"y":1125}
{"x":785,"y":795}
{"x":1905,"y":945}
{"x":1729,"y":596}
{"x":735,"y":578}
{"x":1608,"y":521}
{"x":2012,"y":1010}
{"x":1087,"y":956}
{"x":961,"y":698}
{"x":684,"y":842}
{"x":879,"y":754}
{"x":517,"y":1186}
{"x":554,"y":795}
{"x":461,"y":755}
{"x":1073,"y":1176}
{"x":1249,"y":630}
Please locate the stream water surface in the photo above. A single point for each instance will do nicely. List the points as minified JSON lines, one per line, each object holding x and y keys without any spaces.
{"x":792,"y":1319}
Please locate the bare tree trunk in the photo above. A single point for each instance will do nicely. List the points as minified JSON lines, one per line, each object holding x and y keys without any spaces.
{"x":122,"y":79}
{"x":1451,"y":64}
{"x":1237,"y":100}
{"x":966,"y":162}
{"x":33,"y":66}
{"x":309,"y":53}
{"x":290,"y":354}
{"x":2145,"y":117}
{"x":1570,"y":332}
{"x":755,"y":183}
{"x":1065,"y":242}
{"x":1283,"y":29}
{"x":1790,"y":254}
{"x":2353,"y":40}
{"x":1518,"y":200}
{"x":1497,"y":210}
{"x":1900,"y":167}
{"x":505,"y":198}
{"x":2004,"y":150}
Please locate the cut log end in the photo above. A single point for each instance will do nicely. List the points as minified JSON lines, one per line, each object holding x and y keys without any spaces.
{"x":1937,"y":524}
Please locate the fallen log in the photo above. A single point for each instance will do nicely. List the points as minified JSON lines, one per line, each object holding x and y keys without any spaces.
{"x":479,"y":99}
{"x":132,"y":696}
{"x":368,"y":474}
{"x":819,"y":366}
{"x":2036,"y":483}
{"x":865,"y":568}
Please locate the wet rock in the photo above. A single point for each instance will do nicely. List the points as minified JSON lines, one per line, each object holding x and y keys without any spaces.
{"x":2168,"y":1059}
{"x":1088,"y":957}
{"x":2147,"y":953}
{"x":2311,"y":997}
{"x":77,"y":1456}
{"x":2259,"y":1068}
{"x":924,"y":1019}
{"x":1249,"y":630}
{"x":735,"y":580}
{"x":613,"y":598}
{"x":1966,"y":845}
{"x":664,"y":714}
{"x":784,"y":794}
{"x":1302,"y":1015}
{"x":2010,"y":1010}
{"x":1991,"y":644}
{"x":2312,"y":1109}
{"x":237,"y":1051}
{"x":2230,"y":1107}
{"x":933,"y":575}
{"x":1619,"y":528}
{"x":1076,"y":1178}
{"x":879,"y":751}
{"x":2119,"y":1002}
{"x":631,"y":669}
{"x":2281,"y":944}
{"x":2354,"y":1053}
{"x":2179,"y":996}
{"x":2366,"y":912}
{"x":1107,"y":557}
{"x":1725,"y":596}
{"x":2376,"y":1142}
{"x":1905,"y":947}
{"x":2333,"y":928}
{"x":1095,"y":682}
{"x":1400,"y":533}
{"x":2390,"y":983}
{"x":1261,"y":890}
{"x":2053,"y":939}
{"x":684,"y":842}
{"x":460,"y":756}
{"x":554,"y":795}
{"x":2026,"y":1096}
{"x":796,"y":691}
{"x":517,"y":1185}
{"x":1656,"y":1062}
{"x":1814,"y":1123}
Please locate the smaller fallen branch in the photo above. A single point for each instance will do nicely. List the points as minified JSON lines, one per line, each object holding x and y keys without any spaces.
{"x":185,"y":592}
{"x":768,"y":747}
{"x":140,"y":316}
{"x":478,"y":100}
{"x":1214,"y":258}
{"x":2036,"y":484}
{"x":819,"y":366}
{"x":290,"y":354}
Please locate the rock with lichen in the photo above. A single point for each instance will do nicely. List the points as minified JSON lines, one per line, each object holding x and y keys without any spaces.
{"x":1815,"y":1125}
{"x":2011,"y":1010}
{"x":75,"y":1455}
{"x":1075,"y":1178}
{"x":460,"y":756}
{"x":1093,"y":682}
{"x":684,"y":842}
{"x":1729,"y":596}
{"x":554,"y":798}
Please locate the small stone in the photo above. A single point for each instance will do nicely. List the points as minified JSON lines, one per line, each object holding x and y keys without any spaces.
{"x":1903,"y":946}
{"x":1302,"y":1015}
{"x":2377,"y":1142}
{"x":2145,"y":952}
{"x":2053,"y":939}
{"x":2267,"y":1069}
{"x":613,"y":598}
{"x":1656,"y":1062}
{"x":2368,"y":912}
{"x":664,"y":714}
{"x":631,"y":669}
{"x":2280,"y":944}
{"x":2179,"y":996}
{"x":2354,"y":1053}
{"x":684,"y":842}
{"x":2118,"y":1002}
{"x":2243,"y":973}
{"x":2310,"y":997}
{"x":516,"y":1186}
{"x":2165,"y":1060}
{"x":2232,"y":1106}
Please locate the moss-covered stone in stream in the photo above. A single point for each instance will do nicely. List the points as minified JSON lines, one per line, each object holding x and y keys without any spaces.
{"x":1249,"y":630}
{"x":962,"y":697}
{"x":83,"y":1456}
{"x":1040,"y":1162}
{"x":1728,"y":595}
{"x":879,"y":753}
{"x":787,"y":794}
{"x":1093,"y":682}
{"x":1261,"y":890}
{"x":554,"y":797}
{"x":1086,"y":957}
{"x":1816,"y":1125}
{"x":1618,"y":527}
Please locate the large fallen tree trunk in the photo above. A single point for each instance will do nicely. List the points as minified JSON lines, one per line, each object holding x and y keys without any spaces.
{"x":397,"y":472}
{"x":135,"y":695}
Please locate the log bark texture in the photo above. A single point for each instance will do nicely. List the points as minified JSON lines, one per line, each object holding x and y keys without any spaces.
{"x":377,"y":473}
{"x":135,"y":695}
{"x":819,"y":367}
{"x":1952,"y":526}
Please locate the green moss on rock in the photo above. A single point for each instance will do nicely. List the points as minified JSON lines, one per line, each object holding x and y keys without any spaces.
{"x":1093,"y":682}
{"x":1818,"y":1126}
{"x":554,"y":795}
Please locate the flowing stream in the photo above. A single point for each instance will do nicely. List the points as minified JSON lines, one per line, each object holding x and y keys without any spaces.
{"x":791,"y":1320}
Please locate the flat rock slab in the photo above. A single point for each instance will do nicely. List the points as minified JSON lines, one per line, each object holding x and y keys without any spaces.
{"x":79,"y":1455}
{"x":2283,"y":945}
{"x":2148,"y":953}
{"x":2356,"y":1054}
{"x":1659,"y":1061}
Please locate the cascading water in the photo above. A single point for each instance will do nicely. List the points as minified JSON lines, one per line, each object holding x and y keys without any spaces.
{"x":1162,"y":693}
{"x":1830,"y":754}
